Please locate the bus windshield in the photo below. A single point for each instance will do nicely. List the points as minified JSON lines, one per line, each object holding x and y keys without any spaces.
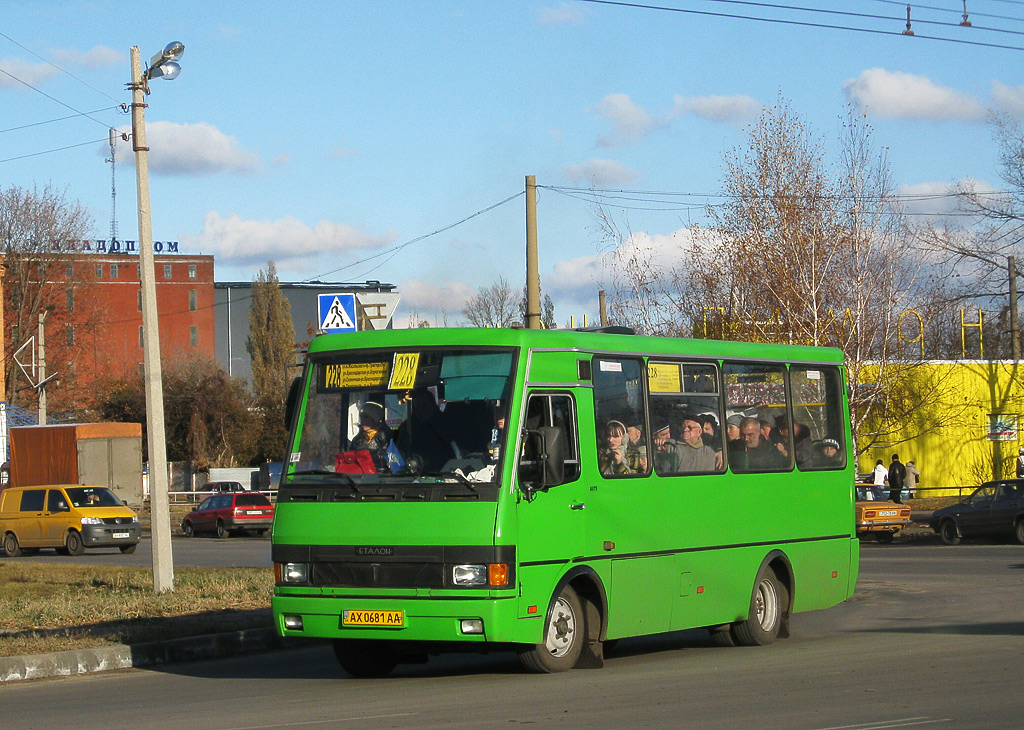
{"x":430,"y":415}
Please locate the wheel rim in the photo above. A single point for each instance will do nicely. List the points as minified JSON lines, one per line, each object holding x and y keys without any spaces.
{"x":766,"y":605}
{"x":561,"y":629}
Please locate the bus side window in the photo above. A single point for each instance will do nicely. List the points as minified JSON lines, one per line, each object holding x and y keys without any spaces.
{"x":756,"y":393}
{"x":557,"y":410}
{"x":817,"y":417}
{"x":686,"y":417}
{"x":620,"y":417}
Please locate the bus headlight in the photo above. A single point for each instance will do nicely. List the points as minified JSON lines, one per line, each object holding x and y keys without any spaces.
{"x":494,"y":574}
{"x":292,"y":572}
{"x":470,"y":575}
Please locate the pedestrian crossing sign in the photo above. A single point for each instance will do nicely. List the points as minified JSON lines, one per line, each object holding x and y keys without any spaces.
{"x":337,"y":312}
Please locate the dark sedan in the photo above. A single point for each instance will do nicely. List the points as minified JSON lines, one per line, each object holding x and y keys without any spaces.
{"x":995,"y":509}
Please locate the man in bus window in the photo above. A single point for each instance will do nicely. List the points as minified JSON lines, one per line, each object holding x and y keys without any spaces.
{"x":757,"y":452}
{"x":693,"y":454}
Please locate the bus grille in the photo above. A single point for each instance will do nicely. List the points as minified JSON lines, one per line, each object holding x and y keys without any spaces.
{"x":378,"y":575}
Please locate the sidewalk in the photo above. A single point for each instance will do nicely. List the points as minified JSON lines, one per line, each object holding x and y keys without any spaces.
{"x":122,"y":656}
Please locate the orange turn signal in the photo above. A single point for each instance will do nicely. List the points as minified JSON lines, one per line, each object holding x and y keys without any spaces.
{"x":497,"y":574}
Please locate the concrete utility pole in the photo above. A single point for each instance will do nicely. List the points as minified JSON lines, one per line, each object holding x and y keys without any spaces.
{"x":532,"y":269}
{"x":1014,"y":324}
{"x":603,"y":308}
{"x":160,"y":511}
{"x":41,"y":345}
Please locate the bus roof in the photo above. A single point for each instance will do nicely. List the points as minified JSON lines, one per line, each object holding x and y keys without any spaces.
{"x":566,"y":339}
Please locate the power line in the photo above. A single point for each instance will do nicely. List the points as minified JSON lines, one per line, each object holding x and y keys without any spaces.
{"x":392,"y":252}
{"x":903,"y":3}
{"x":62,"y":70}
{"x":53,"y":98}
{"x":58,"y":149}
{"x":122,"y":107}
{"x":800,"y":23}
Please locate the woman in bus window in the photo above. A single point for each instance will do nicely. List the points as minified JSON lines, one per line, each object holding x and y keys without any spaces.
{"x":614,"y":456}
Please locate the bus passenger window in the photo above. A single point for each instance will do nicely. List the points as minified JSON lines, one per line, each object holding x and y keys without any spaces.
{"x":755,"y":396}
{"x":686,"y":417}
{"x":817,"y":414}
{"x":620,"y":417}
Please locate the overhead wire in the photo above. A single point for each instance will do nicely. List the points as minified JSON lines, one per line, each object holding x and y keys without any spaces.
{"x":800,"y":23}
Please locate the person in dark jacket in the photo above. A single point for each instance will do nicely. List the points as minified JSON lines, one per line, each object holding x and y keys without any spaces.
{"x":374,"y":434}
{"x":897,"y":475}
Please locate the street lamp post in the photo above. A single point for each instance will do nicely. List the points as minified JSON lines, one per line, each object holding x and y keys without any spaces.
{"x":162,"y":65}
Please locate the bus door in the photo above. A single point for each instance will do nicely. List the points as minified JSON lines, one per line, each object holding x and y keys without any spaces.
{"x":551,"y":519}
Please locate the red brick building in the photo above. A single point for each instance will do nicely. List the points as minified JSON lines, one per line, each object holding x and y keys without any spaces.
{"x":110,"y":335}
{"x":93,"y":326}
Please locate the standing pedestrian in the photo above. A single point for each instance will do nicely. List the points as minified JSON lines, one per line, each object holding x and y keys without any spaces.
{"x":912,"y":476}
{"x":897,"y":476}
{"x":879,"y":474}
{"x":1020,"y":463}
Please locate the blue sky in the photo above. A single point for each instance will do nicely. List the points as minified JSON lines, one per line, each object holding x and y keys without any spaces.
{"x":325,"y":135}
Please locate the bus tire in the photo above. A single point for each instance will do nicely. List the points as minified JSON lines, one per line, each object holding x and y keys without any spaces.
{"x":365,"y":659}
{"x":564,"y":635}
{"x":948,"y":532}
{"x":768,"y":604}
{"x":721,"y":635}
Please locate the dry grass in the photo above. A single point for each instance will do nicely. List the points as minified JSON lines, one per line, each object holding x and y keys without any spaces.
{"x":45,"y":608}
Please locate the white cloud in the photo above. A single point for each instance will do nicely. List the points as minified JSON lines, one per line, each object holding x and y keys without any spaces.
{"x":439,"y":304}
{"x":288,"y":241}
{"x":898,"y":95}
{"x":96,"y":57}
{"x":600,"y":173}
{"x":564,"y":13}
{"x":630,"y":123}
{"x":1008,"y":99}
{"x":732,"y":109}
{"x":191,"y":149}
{"x":24,"y":71}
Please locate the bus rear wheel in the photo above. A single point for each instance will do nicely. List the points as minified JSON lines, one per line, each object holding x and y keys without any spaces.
{"x":365,"y":659}
{"x":563,"y":637}
{"x":768,"y":605}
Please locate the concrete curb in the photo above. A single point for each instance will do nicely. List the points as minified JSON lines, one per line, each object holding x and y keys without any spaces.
{"x":122,"y":656}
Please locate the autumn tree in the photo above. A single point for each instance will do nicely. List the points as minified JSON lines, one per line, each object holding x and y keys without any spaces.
{"x":41,"y":231}
{"x":271,"y":346}
{"x":801,"y":252}
{"x":547,"y":310}
{"x":206,"y":412}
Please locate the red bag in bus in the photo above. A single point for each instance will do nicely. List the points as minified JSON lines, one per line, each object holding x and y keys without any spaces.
{"x":354,"y":462}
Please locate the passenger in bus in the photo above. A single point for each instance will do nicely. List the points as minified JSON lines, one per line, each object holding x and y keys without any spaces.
{"x":756,"y":452}
{"x":615,"y":457}
{"x":712,"y":437}
{"x":424,"y":438}
{"x":732,"y":428}
{"x":828,"y":454}
{"x":693,"y":454}
{"x":803,"y":447}
{"x":374,"y":434}
{"x":638,"y":443}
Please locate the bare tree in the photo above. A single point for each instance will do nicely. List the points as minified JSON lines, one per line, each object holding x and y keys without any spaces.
{"x":41,"y":231}
{"x":495,"y":305}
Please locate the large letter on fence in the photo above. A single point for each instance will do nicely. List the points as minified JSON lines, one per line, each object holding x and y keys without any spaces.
{"x":920,"y":332}
{"x":963,"y":336}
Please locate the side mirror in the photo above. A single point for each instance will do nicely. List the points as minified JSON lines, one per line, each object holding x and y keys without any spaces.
{"x":291,"y":402}
{"x":543,"y":461}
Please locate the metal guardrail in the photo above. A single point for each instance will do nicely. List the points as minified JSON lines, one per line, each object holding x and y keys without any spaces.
{"x":199,"y":496}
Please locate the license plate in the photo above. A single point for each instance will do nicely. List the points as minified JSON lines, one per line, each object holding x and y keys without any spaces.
{"x":888,"y":513}
{"x":121,"y":535}
{"x":372,"y":618}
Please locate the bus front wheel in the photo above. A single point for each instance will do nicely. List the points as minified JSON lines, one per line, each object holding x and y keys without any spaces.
{"x":365,"y":659}
{"x":768,"y":605}
{"x":564,"y":635}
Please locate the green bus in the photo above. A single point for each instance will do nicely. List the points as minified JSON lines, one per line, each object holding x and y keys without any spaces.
{"x":548,"y":491}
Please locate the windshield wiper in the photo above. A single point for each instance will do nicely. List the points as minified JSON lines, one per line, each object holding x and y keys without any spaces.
{"x":459,"y":476}
{"x":325,"y":473}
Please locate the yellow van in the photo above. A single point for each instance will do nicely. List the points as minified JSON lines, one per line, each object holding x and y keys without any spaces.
{"x":68,"y":517}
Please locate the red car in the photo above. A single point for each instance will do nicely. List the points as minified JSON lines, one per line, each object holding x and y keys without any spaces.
{"x":234,"y":512}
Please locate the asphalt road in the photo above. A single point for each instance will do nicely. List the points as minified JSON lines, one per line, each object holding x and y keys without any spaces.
{"x":202,"y":551}
{"x":933,"y":638}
